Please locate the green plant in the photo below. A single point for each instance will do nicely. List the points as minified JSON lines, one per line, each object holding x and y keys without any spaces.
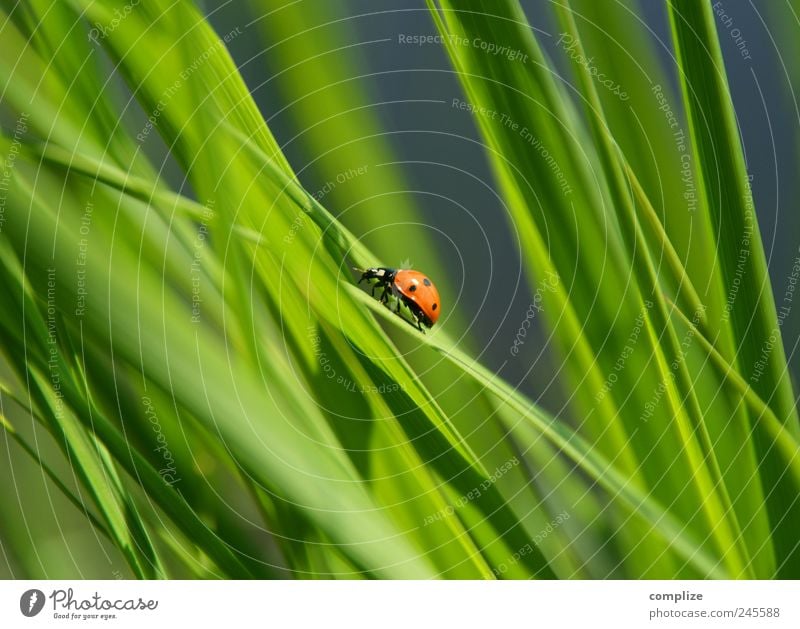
{"x":189,"y":355}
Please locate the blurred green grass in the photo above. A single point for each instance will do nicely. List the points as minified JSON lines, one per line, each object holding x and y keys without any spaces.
{"x":200,"y":390}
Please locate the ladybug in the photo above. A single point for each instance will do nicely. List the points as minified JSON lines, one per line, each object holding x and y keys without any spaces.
{"x":411,"y":288}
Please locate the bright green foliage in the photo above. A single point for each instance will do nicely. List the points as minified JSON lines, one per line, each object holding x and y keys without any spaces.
{"x":186,"y":366}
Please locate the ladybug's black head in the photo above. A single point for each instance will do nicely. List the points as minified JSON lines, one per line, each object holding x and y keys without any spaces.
{"x":383,"y":274}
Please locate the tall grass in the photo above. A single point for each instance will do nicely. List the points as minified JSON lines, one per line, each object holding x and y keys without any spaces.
{"x":192,"y":372}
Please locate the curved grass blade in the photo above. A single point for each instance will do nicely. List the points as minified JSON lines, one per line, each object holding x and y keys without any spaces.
{"x":576,"y":448}
{"x":753,"y":316}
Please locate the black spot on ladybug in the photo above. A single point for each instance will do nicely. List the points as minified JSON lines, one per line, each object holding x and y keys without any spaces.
{"x":426,"y":281}
{"x":434,"y":306}
{"x":412,"y":288}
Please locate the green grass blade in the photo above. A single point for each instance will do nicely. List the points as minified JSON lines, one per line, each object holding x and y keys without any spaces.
{"x":715,"y":501}
{"x":753,"y":315}
{"x":577,"y":449}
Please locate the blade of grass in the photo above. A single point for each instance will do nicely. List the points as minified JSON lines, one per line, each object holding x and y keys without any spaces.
{"x":46,"y":468}
{"x":466,"y":480}
{"x":526,"y":93}
{"x":781,"y":437}
{"x":706,"y":474}
{"x":723,"y":176}
{"x":575,"y":447}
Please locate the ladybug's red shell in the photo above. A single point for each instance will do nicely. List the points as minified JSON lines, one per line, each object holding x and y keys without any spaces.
{"x":416,"y":287}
